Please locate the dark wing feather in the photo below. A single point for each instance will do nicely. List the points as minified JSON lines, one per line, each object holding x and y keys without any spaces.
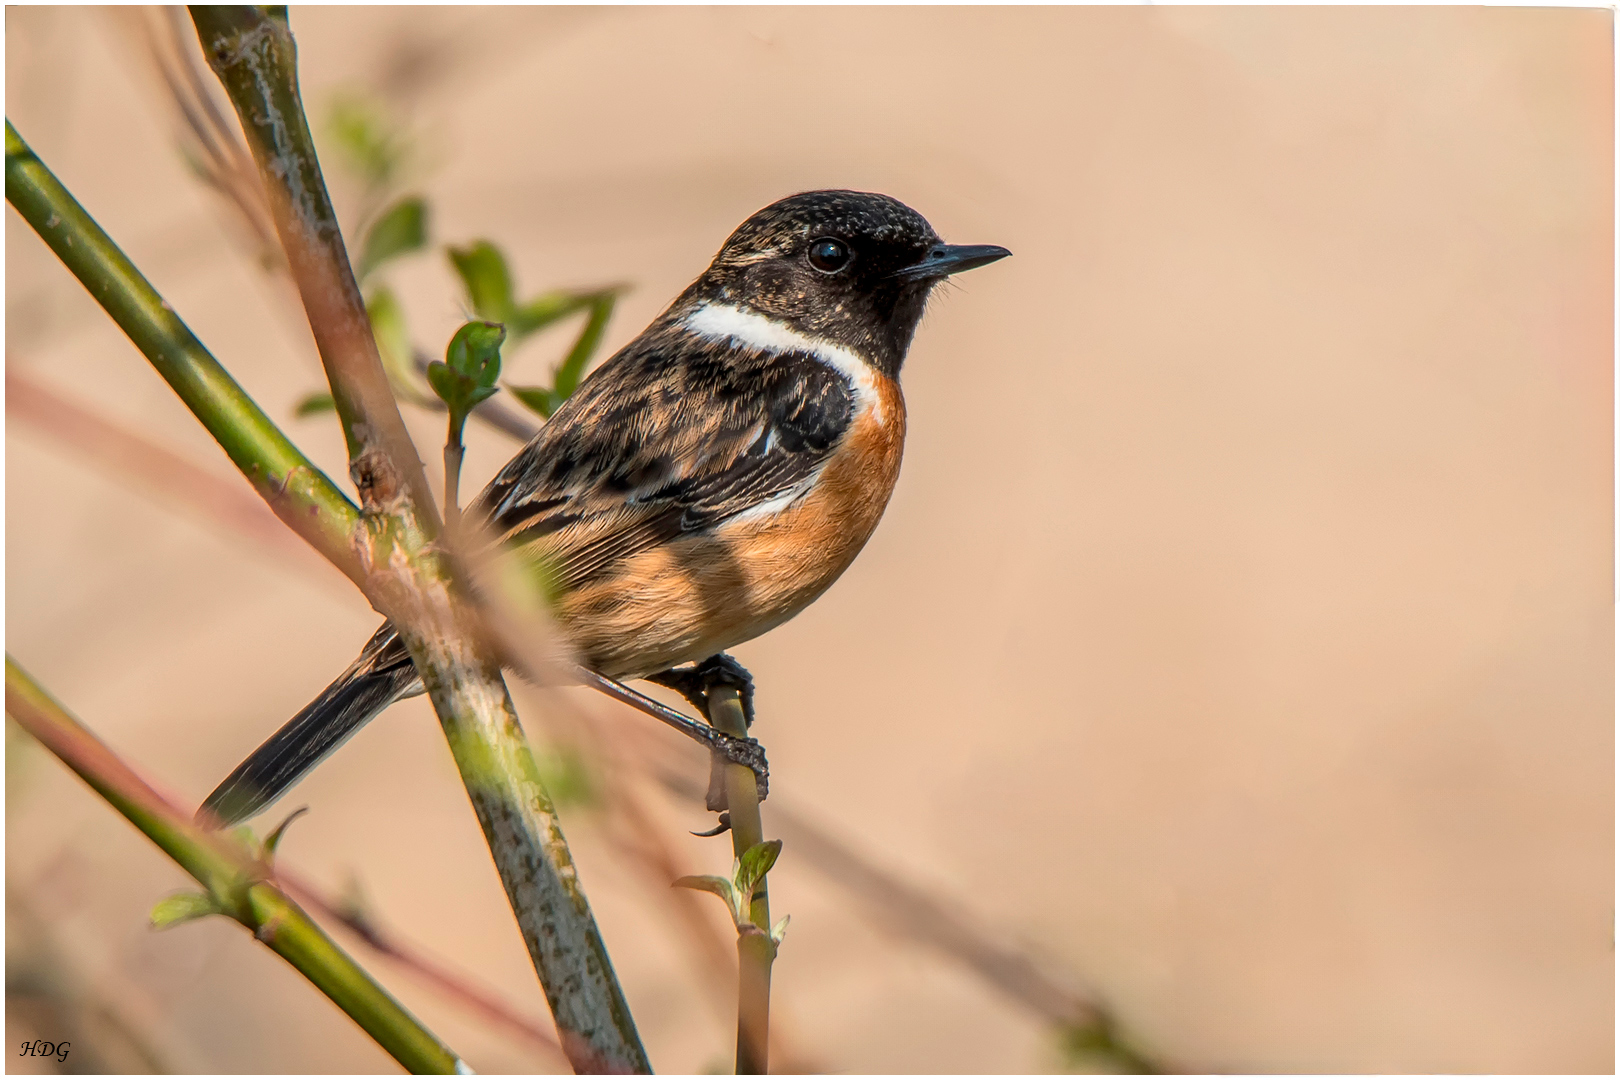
{"x":663,"y":440}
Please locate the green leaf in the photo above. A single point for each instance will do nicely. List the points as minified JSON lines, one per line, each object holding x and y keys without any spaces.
{"x":722,"y":888}
{"x":542,"y":400}
{"x":273,"y":841}
{"x":388,"y":326}
{"x":475,"y":352}
{"x":704,"y":883}
{"x":318,"y":402}
{"x":483,"y":273}
{"x":401,"y":229}
{"x":446,"y":382}
{"x":458,"y":392}
{"x":546,"y":309}
{"x":570,"y":370}
{"x":182,"y":907}
{"x":779,"y":931}
{"x":754,"y":864}
{"x":547,"y":400}
{"x":472,"y":363}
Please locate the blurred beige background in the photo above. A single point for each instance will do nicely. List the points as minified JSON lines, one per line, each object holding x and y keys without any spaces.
{"x":1239,"y":638}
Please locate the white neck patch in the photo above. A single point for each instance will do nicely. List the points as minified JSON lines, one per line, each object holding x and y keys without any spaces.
{"x":725,"y":322}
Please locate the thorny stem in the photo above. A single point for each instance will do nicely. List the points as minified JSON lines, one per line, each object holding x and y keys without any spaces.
{"x":755,"y":950}
{"x":252,"y":51}
{"x":239,"y":883}
{"x":298,"y":492}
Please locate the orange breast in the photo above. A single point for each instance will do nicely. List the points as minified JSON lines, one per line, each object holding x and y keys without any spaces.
{"x":702,"y":595}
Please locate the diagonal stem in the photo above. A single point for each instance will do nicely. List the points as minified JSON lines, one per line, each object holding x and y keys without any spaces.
{"x":124,"y":453}
{"x":453,"y":984}
{"x":240,"y":883}
{"x":298,"y":492}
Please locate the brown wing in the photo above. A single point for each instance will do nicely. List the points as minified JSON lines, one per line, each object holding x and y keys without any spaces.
{"x":669,"y":437}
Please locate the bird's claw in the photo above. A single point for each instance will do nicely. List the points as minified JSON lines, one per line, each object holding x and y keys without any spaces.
{"x":695,"y":683}
{"x":723,"y":826}
{"x":739,"y":752}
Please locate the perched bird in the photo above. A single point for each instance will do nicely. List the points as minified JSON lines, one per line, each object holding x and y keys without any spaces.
{"x":709,"y":480}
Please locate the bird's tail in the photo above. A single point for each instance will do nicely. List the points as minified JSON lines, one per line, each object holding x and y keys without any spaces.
{"x":381,"y":676}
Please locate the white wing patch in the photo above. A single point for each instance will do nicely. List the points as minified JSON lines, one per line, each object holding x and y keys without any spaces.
{"x":749,"y":329}
{"x":771,"y":507}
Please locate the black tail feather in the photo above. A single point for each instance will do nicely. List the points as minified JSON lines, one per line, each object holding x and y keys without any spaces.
{"x":381,"y":676}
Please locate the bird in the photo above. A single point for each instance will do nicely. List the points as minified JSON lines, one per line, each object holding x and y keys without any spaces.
{"x":705,"y":483}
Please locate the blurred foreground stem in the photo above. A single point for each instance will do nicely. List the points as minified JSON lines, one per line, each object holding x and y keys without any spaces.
{"x":235,"y":881}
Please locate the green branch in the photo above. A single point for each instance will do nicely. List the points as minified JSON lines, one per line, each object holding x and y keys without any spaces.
{"x":237,"y":884}
{"x":298,"y":492}
{"x":756,"y":950}
{"x":744,"y":892}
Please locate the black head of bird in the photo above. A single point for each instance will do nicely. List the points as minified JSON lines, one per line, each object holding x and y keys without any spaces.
{"x":848,"y":267}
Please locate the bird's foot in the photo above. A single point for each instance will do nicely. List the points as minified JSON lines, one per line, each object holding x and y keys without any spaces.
{"x":694,"y":683}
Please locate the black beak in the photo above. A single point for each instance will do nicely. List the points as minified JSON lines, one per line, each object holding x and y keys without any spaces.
{"x":943,"y":260}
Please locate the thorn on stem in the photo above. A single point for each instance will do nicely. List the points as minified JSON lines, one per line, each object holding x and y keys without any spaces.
{"x":723,"y":827}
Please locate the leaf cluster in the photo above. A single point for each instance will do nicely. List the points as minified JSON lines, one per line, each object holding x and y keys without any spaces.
{"x":738,"y":890}
{"x":466,"y":377}
{"x":484,"y":274}
{"x":225,"y":897}
{"x":376,"y":153}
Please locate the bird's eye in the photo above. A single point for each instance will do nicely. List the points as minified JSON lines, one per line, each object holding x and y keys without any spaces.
{"x":829,"y":255}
